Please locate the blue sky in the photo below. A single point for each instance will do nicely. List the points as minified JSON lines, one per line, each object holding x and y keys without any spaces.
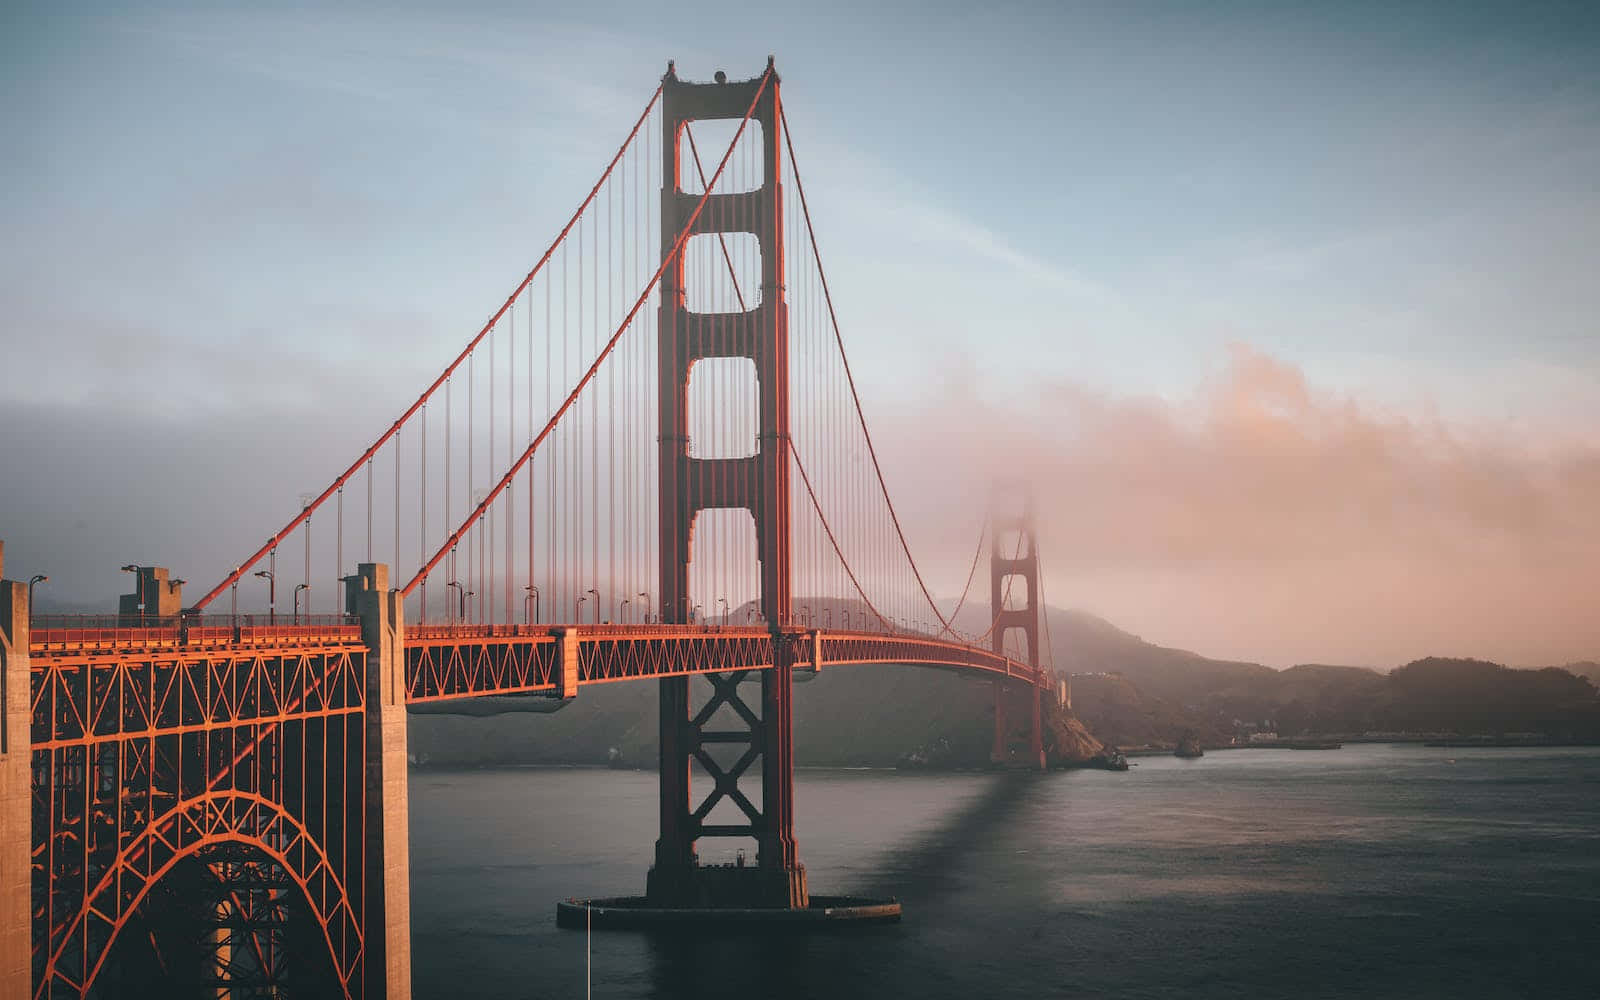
{"x":226,"y":216}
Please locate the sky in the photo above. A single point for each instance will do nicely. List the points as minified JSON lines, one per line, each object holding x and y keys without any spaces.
{"x":1288,"y":310}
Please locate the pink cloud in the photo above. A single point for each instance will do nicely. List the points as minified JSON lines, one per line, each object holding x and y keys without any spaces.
{"x":1267,"y":518}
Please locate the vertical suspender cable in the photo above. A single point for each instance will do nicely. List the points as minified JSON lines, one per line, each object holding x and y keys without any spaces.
{"x":594,"y":427}
{"x":507,"y":570}
{"x":422,"y":517}
{"x":398,"y":438}
{"x":486,"y":527}
{"x":472,"y":440}
{"x":611,"y":416}
{"x":528,"y":599}
{"x":338,"y":550}
{"x":549,"y":460}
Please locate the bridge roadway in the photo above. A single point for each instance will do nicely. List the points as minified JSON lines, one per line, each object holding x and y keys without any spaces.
{"x":449,"y":662}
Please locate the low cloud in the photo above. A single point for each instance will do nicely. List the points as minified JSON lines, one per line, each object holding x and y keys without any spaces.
{"x":1264,"y":517}
{"x":1260,"y":517}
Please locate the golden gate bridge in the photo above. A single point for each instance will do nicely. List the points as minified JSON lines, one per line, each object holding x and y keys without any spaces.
{"x":651,"y":462}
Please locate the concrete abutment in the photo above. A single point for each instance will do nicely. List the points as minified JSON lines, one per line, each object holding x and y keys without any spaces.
{"x":16,"y":798}
{"x":387,"y":903}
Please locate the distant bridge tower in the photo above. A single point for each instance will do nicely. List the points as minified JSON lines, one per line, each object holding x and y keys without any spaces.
{"x":1016,"y":564}
{"x":759,"y":484}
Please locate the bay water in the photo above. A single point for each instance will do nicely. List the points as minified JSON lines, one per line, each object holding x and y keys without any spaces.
{"x":1370,"y":871}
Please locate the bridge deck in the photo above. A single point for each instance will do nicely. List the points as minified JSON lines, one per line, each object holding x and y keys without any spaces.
{"x":463,"y":661}
{"x":446,"y":662}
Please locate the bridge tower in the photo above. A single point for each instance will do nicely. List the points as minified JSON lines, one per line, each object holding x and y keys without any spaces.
{"x":759,"y":484}
{"x":1019,"y":567}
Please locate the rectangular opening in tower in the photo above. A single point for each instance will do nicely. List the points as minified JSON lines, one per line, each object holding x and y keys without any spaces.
{"x":724,"y":571}
{"x":1014,"y":591}
{"x":1014,"y":642}
{"x":724,"y":408}
{"x":722,"y":272}
{"x":711,"y":137}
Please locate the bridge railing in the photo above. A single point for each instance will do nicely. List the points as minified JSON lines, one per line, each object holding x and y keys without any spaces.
{"x":88,"y":632}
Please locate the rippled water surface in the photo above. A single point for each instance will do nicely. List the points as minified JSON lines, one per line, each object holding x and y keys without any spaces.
{"x":1371,"y":871}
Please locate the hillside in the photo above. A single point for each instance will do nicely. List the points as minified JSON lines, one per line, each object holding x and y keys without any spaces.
{"x":1589,"y":670}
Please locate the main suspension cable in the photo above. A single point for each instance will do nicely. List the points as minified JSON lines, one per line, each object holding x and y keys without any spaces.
{"x":394,"y":429}
{"x":677,"y":249}
{"x":833,"y":317}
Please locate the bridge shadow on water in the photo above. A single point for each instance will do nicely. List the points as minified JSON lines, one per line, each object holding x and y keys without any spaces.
{"x":926,"y":872}
{"x":925,"y":868}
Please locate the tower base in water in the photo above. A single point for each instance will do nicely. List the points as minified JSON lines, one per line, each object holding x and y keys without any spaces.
{"x":637,"y":913}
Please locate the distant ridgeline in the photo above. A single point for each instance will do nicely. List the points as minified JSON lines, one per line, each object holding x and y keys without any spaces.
{"x":1125,"y":691}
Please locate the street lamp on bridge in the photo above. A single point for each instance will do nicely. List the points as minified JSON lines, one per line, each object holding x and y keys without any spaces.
{"x":646,"y":606}
{"x":597,"y":608}
{"x":297,"y":588}
{"x":456,"y":584}
{"x":727,"y":610}
{"x":620,"y":605}
{"x":34,"y":581}
{"x":272,"y":593}
{"x":531,"y":597}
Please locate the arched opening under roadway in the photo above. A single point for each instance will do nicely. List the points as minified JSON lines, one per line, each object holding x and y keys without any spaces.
{"x":225,"y":921}
{"x":229,"y":913}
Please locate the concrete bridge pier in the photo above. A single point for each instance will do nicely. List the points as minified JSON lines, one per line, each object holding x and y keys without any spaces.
{"x":386,"y":907}
{"x":16,"y":803}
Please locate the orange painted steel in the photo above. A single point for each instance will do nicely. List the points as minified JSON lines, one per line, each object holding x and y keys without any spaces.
{"x":242,"y":746}
{"x":446,"y":662}
{"x":675,"y":254}
{"x":147,"y":751}
{"x":394,"y":429}
{"x":150,"y":747}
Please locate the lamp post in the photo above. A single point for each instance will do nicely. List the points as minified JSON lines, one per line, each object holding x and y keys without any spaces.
{"x":727,"y":609}
{"x":272,"y":593}
{"x":646,"y":606}
{"x":694,"y":613}
{"x":597,"y":608}
{"x":456,"y":584}
{"x":297,"y":588}
{"x":34,"y":581}
{"x":620,"y":605}
{"x":576,"y":604}
{"x":465,"y":593}
{"x":531,"y":597}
